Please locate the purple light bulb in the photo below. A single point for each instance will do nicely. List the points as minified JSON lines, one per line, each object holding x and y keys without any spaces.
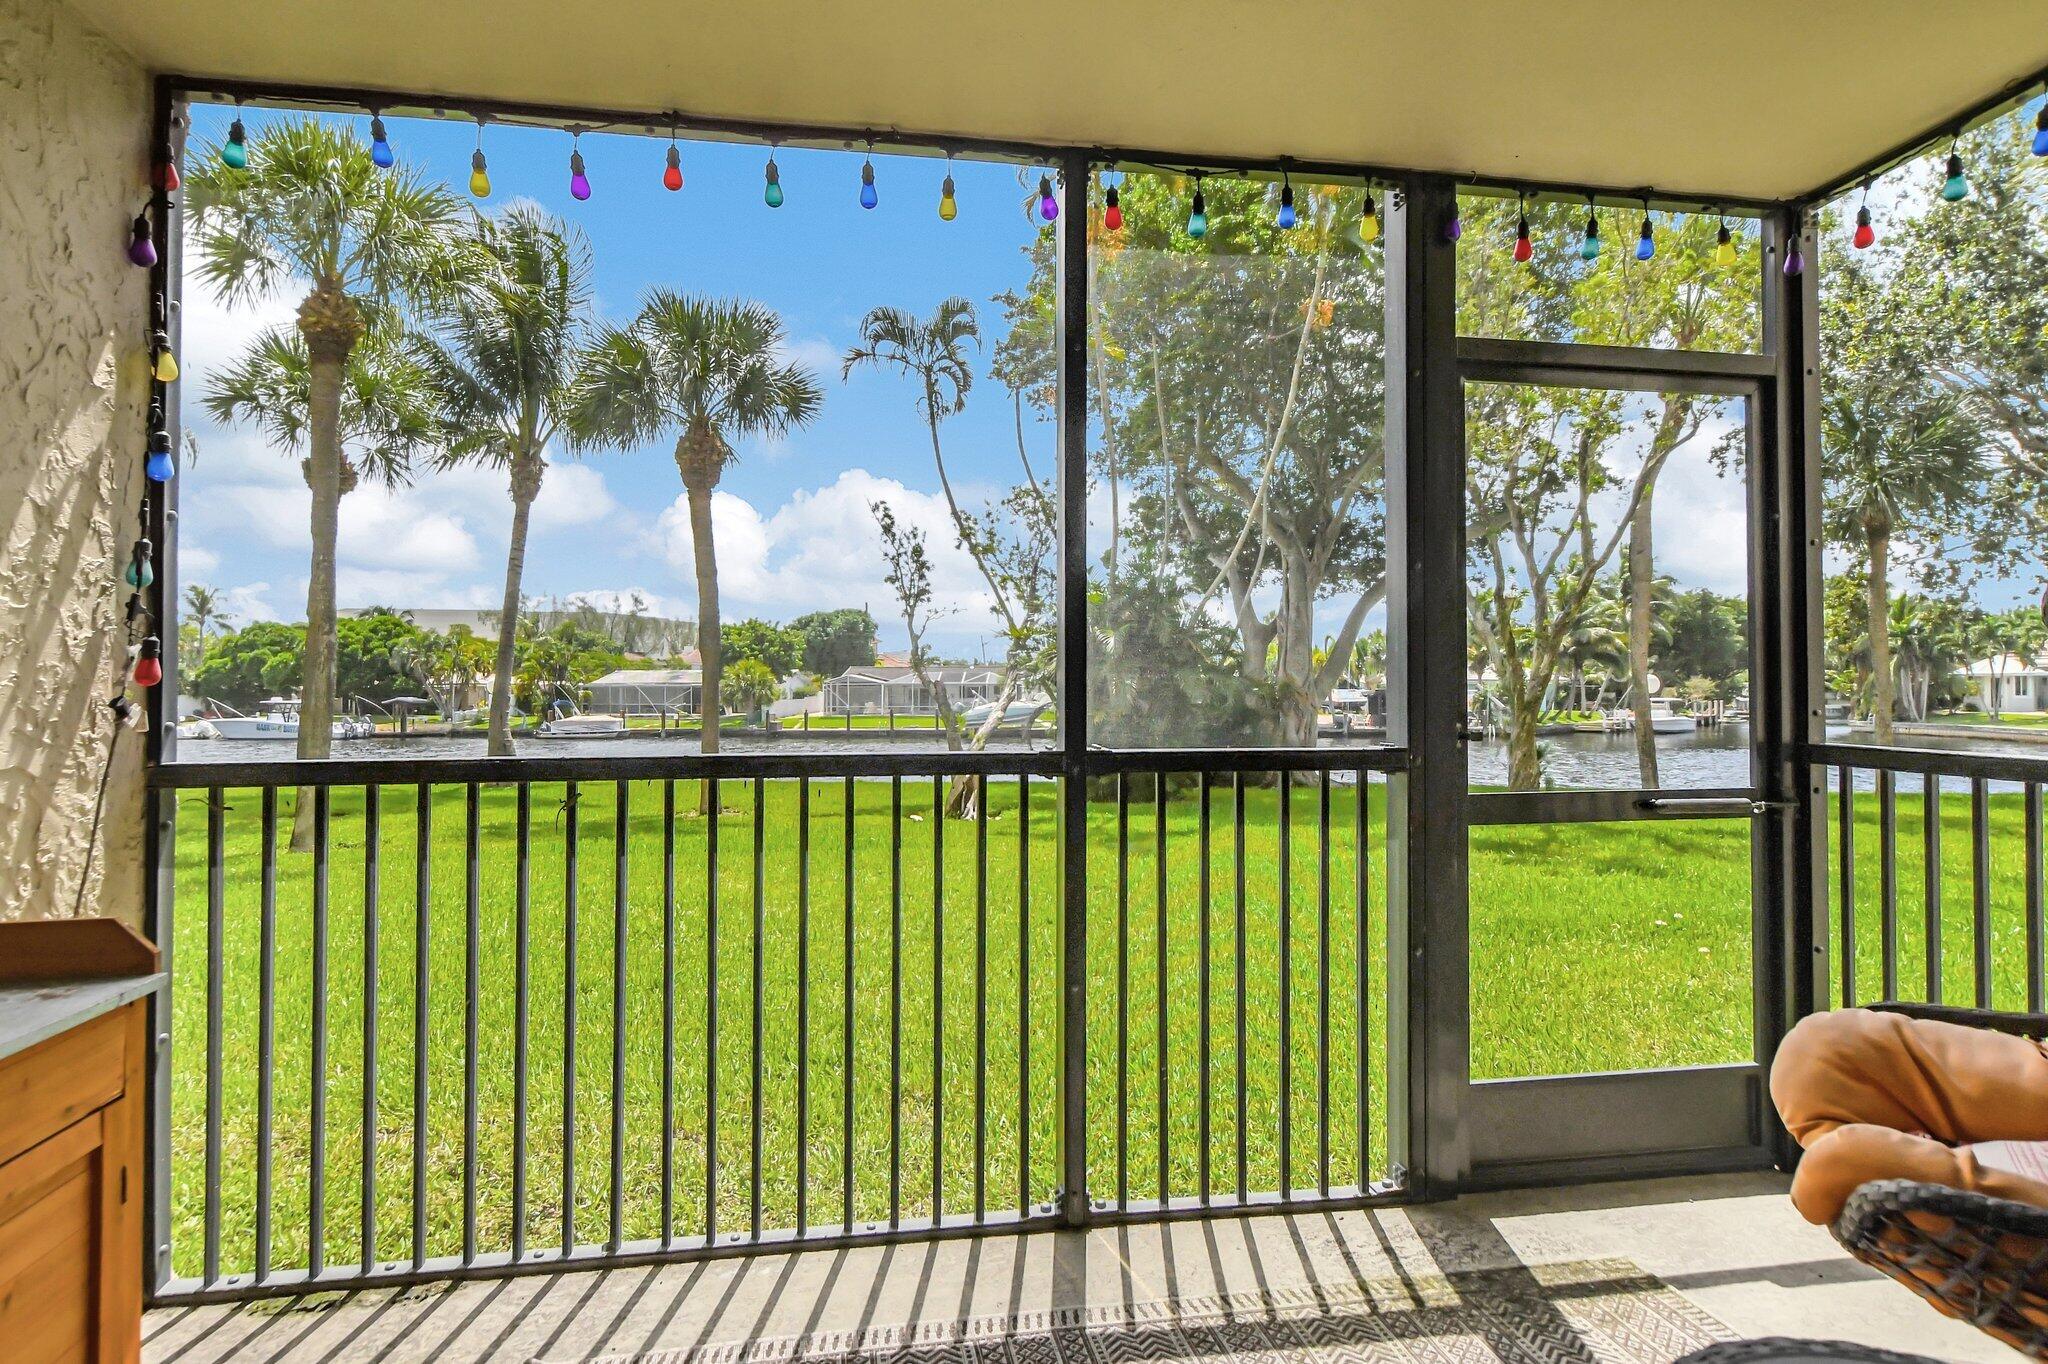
{"x":1454,"y":229}
{"x":141,"y":249}
{"x":1048,"y":206}
{"x":579,"y":183}
{"x":1795,"y":260}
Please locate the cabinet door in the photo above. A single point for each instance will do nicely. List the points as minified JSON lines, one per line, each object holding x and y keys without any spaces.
{"x":50,"y":1228}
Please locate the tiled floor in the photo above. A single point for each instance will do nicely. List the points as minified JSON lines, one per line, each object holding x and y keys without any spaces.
{"x":1730,"y":1243}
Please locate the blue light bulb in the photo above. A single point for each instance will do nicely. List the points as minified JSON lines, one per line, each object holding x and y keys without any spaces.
{"x":1589,"y":249}
{"x":1646,"y":244}
{"x":868,"y":197}
{"x":380,"y":145}
{"x":159,"y":467}
{"x":1286,"y":218}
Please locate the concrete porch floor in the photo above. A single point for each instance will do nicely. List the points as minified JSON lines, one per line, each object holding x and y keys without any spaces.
{"x":1732,"y":1244}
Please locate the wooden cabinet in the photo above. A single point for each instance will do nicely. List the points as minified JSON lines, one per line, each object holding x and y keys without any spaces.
{"x":74,"y":1044}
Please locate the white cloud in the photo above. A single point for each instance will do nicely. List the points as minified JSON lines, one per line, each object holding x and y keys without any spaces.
{"x":212,"y":334}
{"x":820,"y":550}
{"x":380,"y":528}
{"x":404,"y":588}
{"x":196,"y":563}
{"x":652,"y":603}
{"x":251,"y":602}
{"x":572,"y":495}
{"x":814,"y":353}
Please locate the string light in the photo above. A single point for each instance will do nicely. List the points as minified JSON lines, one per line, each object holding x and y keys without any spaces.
{"x":479,"y":170}
{"x":141,"y":245}
{"x":149,"y":668}
{"x":1112,"y":210}
{"x":672,"y":173}
{"x":1589,"y":248}
{"x":1286,"y":219}
{"x":1646,"y":240}
{"x":1795,"y":259}
{"x":579,"y":183}
{"x":949,"y":207}
{"x":158,"y":466}
{"x":1865,"y":234}
{"x":868,"y":197}
{"x":1048,"y":205}
{"x":1957,"y":186}
{"x":164,"y":369}
{"x":1524,"y":248}
{"x":1198,"y":212}
{"x":380,"y":145}
{"x":1369,"y":221}
{"x":771,"y":193}
{"x":235,"y":151}
{"x":141,"y":571}
{"x":1724,"y":246}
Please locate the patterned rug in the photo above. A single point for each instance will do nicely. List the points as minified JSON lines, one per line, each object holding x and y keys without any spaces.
{"x":1588,"y":1312}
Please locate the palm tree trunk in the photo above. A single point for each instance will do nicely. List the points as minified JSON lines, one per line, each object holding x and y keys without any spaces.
{"x":1641,"y":581}
{"x":709,"y":641}
{"x":1878,"y":606}
{"x":316,"y":682}
{"x":525,"y":487}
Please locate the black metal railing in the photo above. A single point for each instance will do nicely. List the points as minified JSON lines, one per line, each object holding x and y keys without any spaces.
{"x":639,"y":1009}
{"x":1912,"y":830}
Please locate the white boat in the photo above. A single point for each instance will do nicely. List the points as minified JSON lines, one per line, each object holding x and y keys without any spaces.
{"x":1018,"y":715}
{"x":1665,"y":719}
{"x":582,"y":727}
{"x":277,"y":719}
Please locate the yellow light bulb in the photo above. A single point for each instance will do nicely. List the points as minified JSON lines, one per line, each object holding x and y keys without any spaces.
{"x":166,"y":369}
{"x":948,"y":209}
{"x":479,"y":176}
{"x":1369,"y":228}
{"x":1724,"y":254}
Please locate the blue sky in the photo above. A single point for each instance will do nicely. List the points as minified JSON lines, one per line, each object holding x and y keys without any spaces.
{"x":794,"y":529}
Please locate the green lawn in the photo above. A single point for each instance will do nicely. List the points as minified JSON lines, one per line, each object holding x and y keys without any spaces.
{"x":1593,"y":947}
{"x":2017,"y":719}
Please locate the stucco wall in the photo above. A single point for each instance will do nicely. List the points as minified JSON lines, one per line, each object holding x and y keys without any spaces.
{"x":74,"y":125}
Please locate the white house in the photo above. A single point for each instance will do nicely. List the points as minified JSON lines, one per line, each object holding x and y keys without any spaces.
{"x":647,"y":691}
{"x":2008,"y":682}
{"x":879,"y":690}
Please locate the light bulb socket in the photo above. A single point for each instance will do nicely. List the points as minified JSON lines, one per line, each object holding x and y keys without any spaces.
{"x":1648,"y":233}
{"x":1371,"y":209}
{"x":1109,"y":199}
{"x":377,"y":129}
{"x":476,"y":160}
{"x":773,"y":172}
{"x":675,"y":157}
{"x":1287,"y":196}
{"x":946,"y":188}
{"x":1863,"y":216}
{"x":867,"y":172}
{"x":1199,"y":205}
{"x":237,"y":133}
{"x":575,"y":163}
{"x":1522,"y":228}
{"x":1955,"y":164}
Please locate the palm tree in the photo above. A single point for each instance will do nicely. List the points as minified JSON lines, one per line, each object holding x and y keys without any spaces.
{"x":312,"y":209}
{"x":710,"y":370}
{"x":203,"y":608}
{"x":1896,"y":460}
{"x":505,"y":358}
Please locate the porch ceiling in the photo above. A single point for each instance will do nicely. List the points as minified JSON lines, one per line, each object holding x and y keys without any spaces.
{"x":1743,"y":98}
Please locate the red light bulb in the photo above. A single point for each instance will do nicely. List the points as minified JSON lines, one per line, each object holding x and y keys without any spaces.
{"x":167,"y":177}
{"x":1865,"y":233}
{"x":672,"y":178}
{"x":148,"y":669}
{"x":1112,"y":211}
{"x":1524,"y":249}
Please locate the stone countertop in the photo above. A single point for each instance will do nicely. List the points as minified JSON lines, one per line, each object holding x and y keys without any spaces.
{"x":35,"y":1011}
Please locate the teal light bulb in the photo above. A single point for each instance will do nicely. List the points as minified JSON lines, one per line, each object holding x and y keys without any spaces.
{"x":1198,"y":216}
{"x":772,"y":194}
{"x":1957,"y":186}
{"x":235,"y":151}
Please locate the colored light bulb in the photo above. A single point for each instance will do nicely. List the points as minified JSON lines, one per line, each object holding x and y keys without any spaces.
{"x":1112,"y":210}
{"x":149,"y":668}
{"x":235,"y":151}
{"x":1369,"y":222}
{"x":2041,"y":132}
{"x":1048,"y":204}
{"x":167,"y":177}
{"x":141,"y":247}
{"x":1646,"y":240}
{"x":380,"y":145}
{"x":159,"y":467}
{"x":579,"y":183}
{"x":479,"y":175}
{"x":1865,"y":233}
{"x":1957,"y":186}
{"x":949,"y":207}
{"x":868,"y":197}
{"x":1795,"y":260}
{"x":1198,"y":216}
{"x":672,"y":175}
{"x":140,"y":571}
{"x":1286,"y":218}
{"x":1454,"y":229}
{"x":1724,"y":248}
{"x":165,"y":366}
{"x":1589,"y":249}
{"x":1524,"y":248}
{"x":771,"y":193}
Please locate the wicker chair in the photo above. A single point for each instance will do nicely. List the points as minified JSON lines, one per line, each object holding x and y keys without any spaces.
{"x":1982,"y":1260}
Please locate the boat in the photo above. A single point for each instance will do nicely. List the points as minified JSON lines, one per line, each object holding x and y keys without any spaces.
{"x":277,"y":718}
{"x":1018,"y":716}
{"x":1666,"y":719}
{"x":582,"y":727}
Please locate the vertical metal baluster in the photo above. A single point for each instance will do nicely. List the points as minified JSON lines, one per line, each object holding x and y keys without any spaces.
{"x":1024,"y":992}
{"x":266,"y":1032}
{"x":1123,"y":991}
{"x":621,"y":900}
{"x":1205,"y":1099}
{"x":846,"y":1017}
{"x":571,"y":897}
{"x":422,"y":923}
{"x":1323,"y":985}
{"x":472,"y":967}
{"x":1159,"y":983}
{"x":1361,"y":904}
{"x":1980,"y":887}
{"x":711,"y":1011}
{"x":938,"y":997}
{"x":803,"y":1004}
{"x":1845,"y":817}
{"x":216,"y":886}
{"x":981,"y":1001}
{"x":2035,"y":932}
{"x":1286,"y":890}
{"x":372,"y":837}
{"x":522,"y":999}
{"x":668,"y":1012}
{"x":895,"y":1001}
{"x":316,"y":1182}
{"x":755,"y":998}
{"x":1237,"y":980}
{"x":1930,"y":844}
{"x":1888,"y":880}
